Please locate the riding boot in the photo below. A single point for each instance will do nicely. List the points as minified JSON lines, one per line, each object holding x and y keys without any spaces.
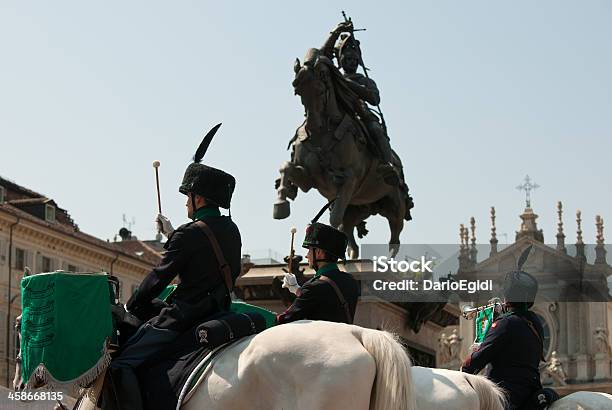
{"x":125,"y":391}
{"x":386,"y":169}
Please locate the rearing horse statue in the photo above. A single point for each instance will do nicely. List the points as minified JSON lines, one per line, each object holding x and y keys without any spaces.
{"x":332,"y":152}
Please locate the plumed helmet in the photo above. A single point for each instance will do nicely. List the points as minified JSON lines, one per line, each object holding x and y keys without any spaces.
{"x":328,"y":238}
{"x":519,"y":286}
{"x":347,"y":43}
{"x":215,"y":185}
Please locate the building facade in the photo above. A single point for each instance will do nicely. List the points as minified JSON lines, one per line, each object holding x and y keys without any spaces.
{"x":576,"y":324}
{"x":36,"y":234}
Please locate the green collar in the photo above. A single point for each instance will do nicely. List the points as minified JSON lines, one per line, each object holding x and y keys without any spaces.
{"x":202,"y":212}
{"x":327,"y":268}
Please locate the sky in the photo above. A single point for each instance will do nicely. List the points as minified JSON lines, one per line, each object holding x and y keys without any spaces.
{"x":476,"y":95}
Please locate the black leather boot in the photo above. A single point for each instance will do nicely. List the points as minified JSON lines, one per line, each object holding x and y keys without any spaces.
{"x":122,"y":391}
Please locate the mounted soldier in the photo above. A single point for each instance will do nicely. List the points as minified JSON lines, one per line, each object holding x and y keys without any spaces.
{"x":348,"y":54}
{"x":192,"y":253}
{"x":513,"y":347}
{"x":331,"y":294}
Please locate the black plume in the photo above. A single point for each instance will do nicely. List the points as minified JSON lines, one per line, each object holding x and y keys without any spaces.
{"x":523,"y":257}
{"x":327,"y":205}
{"x":199,"y":154}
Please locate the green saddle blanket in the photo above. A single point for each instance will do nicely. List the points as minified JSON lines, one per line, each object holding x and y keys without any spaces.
{"x":65,"y":325}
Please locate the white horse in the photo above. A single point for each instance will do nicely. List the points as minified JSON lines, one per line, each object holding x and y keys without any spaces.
{"x":307,"y":365}
{"x":583,"y":400}
{"x":453,"y":390}
{"x":323,"y":365}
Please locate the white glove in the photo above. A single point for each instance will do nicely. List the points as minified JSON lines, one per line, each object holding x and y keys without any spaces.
{"x":163,"y":225}
{"x":290,"y":282}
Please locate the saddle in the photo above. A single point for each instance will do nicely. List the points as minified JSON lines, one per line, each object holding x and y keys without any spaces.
{"x":163,"y":378}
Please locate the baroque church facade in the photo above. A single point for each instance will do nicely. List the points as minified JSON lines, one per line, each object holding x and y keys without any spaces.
{"x":576,"y":323}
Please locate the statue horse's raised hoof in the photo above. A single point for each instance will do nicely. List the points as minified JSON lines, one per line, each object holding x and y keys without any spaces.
{"x":282,"y":209}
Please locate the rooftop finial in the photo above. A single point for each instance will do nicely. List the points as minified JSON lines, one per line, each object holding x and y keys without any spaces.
{"x":527,"y":186}
{"x":473,"y":229}
{"x":599,"y":226}
{"x":473,"y":251}
{"x":560,"y":234}
{"x":600,"y":250}
{"x":493,"y":240}
{"x":579,"y":229}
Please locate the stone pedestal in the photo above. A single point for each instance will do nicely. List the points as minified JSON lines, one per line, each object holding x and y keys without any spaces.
{"x":602,"y":366}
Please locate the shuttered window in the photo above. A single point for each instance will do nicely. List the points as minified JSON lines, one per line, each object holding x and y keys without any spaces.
{"x":20,"y":258}
{"x":46,"y":264}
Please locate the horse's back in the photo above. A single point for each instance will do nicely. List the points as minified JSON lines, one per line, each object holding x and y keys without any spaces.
{"x":301,"y":365}
{"x":584,"y":400}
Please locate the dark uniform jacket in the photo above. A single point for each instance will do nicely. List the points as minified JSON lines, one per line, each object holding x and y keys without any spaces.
{"x":317,"y":299}
{"x":201,"y":291}
{"x":514,"y":351}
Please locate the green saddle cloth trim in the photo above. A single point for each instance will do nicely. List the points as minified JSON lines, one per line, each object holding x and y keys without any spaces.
{"x":65,"y":325}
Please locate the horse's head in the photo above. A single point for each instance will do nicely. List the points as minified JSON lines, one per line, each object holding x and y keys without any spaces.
{"x":311,"y":84}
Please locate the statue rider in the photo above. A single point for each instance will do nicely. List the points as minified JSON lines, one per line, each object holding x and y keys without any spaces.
{"x":348,"y":54}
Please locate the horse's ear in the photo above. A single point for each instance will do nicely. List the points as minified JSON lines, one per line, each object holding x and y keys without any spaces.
{"x":297,"y":66}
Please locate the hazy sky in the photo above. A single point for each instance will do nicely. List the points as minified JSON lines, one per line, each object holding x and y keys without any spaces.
{"x":476,"y":96}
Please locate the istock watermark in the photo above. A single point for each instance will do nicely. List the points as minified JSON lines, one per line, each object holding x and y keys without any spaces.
{"x":389,"y":264}
{"x":415,"y":273}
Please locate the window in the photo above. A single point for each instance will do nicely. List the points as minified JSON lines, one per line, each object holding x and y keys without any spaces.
{"x":20,"y":257}
{"x":49,"y":213}
{"x":2,"y":194}
{"x":72,"y":268}
{"x":46,"y":264}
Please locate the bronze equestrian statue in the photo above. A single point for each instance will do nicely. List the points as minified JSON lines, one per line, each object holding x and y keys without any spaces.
{"x":342,"y":148}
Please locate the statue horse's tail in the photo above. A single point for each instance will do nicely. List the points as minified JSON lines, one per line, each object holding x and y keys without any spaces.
{"x":405,"y":192}
{"x":393,"y":387}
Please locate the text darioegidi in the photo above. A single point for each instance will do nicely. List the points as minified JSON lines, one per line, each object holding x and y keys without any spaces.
{"x":470,"y":286}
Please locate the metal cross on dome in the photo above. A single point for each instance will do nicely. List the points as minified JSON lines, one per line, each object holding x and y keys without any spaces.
{"x":527,"y":186}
